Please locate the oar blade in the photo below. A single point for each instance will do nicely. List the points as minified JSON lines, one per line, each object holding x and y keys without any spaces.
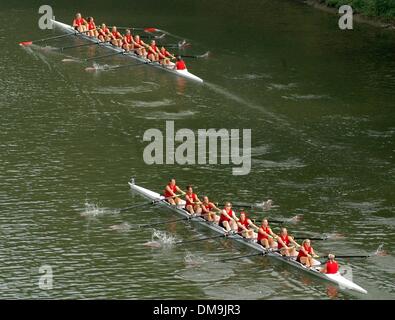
{"x":150,"y":30}
{"x":26,"y":43}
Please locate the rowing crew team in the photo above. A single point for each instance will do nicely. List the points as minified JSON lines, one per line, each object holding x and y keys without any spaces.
{"x":128,"y":42}
{"x":242,"y":225}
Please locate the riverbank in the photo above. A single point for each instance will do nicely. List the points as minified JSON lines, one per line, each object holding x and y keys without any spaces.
{"x":386,"y":22}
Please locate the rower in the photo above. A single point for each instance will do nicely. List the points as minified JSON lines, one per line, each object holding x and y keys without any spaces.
{"x":244,"y":226}
{"x":331,"y":266}
{"x":127,"y":43}
{"x":208,"y":210}
{"x":104,"y":33}
{"x":92,"y":32}
{"x":152,"y":51}
{"x":116,"y":37}
{"x":228,"y":219}
{"x":283,"y":244}
{"x":139,"y":45}
{"x":306,"y":254}
{"x":180,"y":64}
{"x":192,"y":202}
{"x":79,"y":23}
{"x":170,"y":192}
{"x":265,"y":235}
{"x":165,"y":56}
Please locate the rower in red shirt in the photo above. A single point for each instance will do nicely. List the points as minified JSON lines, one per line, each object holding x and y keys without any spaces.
{"x":153,"y":51}
{"x":116,"y":37}
{"x":79,"y":23}
{"x":283,"y":244}
{"x":127,"y":41}
{"x":192,"y":202}
{"x":208,"y":209}
{"x":139,"y":46}
{"x":104,"y":33}
{"x":244,"y":226}
{"x":228,"y":219}
{"x":91,"y":27}
{"x":165,"y":56}
{"x":171,"y":191}
{"x":265,"y":235}
{"x":180,"y":64}
{"x":306,"y":254}
{"x":331,"y":266}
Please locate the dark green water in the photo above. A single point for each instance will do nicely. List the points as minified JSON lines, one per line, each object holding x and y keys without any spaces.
{"x":319,"y":101}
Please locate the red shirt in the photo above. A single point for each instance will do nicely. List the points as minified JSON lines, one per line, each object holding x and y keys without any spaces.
{"x":302,"y":254}
{"x":285,"y":239}
{"x":208,"y":206}
{"x":116,"y":34}
{"x":180,"y":65}
{"x":104,"y":32}
{"x":192,"y":198}
{"x":172,"y":188}
{"x":244,"y":223}
{"x":91,"y":26}
{"x":332,"y":267}
{"x":223,"y":218}
{"x":263,"y":236}
{"x":78,"y":22}
{"x":128,"y":39}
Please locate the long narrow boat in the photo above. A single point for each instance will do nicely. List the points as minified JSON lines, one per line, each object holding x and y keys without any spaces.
{"x":181,"y":73}
{"x":337,"y":278}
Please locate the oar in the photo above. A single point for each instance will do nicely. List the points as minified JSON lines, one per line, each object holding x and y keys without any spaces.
{"x":28,"y":43}
{"x":106,"y":55}
{"x":201,"y":239}
{"x":164,"y":222}
{"x":313,"y":238}
{"x":83,"y":45}
{"x":260,"y":253}
{"x":204,"y":55}
{"x":128,"y":65}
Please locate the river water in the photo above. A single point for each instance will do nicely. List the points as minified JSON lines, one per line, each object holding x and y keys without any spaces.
{"x":319,"y":102}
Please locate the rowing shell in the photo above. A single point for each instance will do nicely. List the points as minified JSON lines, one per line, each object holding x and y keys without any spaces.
{"x":337,"y":278}
{"x":181,"y":73}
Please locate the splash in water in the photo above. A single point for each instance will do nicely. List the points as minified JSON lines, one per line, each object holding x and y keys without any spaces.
{"x":122,"y":227}
{"x":380,"y":252}
{"x":193,"y":261}
{"x":92,"y":210}
{"x":160,"y":239}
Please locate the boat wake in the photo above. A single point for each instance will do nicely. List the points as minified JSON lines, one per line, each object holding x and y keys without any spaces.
{"x":271,"y":117}
{"x":192,"y":261}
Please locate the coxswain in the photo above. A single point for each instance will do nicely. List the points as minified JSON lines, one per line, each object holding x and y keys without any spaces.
{"x":208,"y":210}
{"x":306,"y":254}
{"x":331,"y":266}
{"x":165,"y":56}
{"x":228,"y":219}
{"x":265,"y":235}
{"x":104,"y":33}
{"x":180,"y":64}
{"x":79,"y":23}
{"x":92,"y":30}
{"x":139,"y":46}
{"x":244,"y":226}
{"x":192,"y":202}
{"x":283,"y":244}
{"x":127,"y":43}
{"x":153,"y":51}
{"x":116,"y":37}
{"x":171,"y":191}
